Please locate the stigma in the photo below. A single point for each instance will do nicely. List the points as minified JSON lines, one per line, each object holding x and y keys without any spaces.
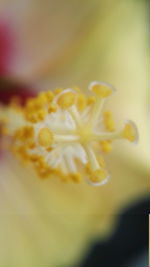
{"x":65,"y":133}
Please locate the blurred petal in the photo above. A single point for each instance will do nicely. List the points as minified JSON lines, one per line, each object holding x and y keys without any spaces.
{"x":52,"y":221}
{"x":7,"y":47}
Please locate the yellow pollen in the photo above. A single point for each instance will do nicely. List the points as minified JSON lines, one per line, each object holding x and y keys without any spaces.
{"x":101,"y":90}
{"x":129,"y":132}
{"x":31,"y":145}
{"x":43,"y":172}
{"x":91,"y":100}
{"x":31,"y":117}
{"x":35,"y":158}
{"x":45,"y":137}
{"x":76,"y":177}
{"x":66,"y":100}
{"x":50,"y":96}
{"x":30,"y":104}
{"x":39,"y":103}
{"x":24,"y":133}
{"x":52,"y":108}
{"x":106,"y":146}
{"x":49,"y":149}
{"x":42,"y":98}
{"x":41,"y":114}
{"x":98,"y":176}
{"x":21,"y":151}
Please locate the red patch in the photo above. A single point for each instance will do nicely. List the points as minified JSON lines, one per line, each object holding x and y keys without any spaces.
{"x":19,"y":91}
{"x":7,"y":46}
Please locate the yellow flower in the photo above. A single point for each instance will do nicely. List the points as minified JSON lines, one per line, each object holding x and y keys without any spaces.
{"x":48,"y":223}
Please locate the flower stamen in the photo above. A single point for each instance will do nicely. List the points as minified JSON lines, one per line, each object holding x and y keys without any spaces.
{"x":60,"y":133}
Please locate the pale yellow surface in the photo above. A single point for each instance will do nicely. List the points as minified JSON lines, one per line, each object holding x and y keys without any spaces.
{"x":50,"y":222}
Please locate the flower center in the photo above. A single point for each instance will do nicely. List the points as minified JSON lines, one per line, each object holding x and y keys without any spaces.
{"x":63,"y":133}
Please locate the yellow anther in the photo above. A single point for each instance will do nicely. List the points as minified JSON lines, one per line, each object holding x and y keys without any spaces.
{"x":106,"y":146}
{"x":41,"y":167}
{"x":30,"y":103}
{"x":43,"y":172}
{"x":31,"y":117}
{"x":98,"y":176}
{"x":49,"y":149}
{"x":76,"y":177}
{"x":100,"y":89}
{"x":66,"y":100}
{"x":45,"y":137}
{"x":91,"y":100}
{"x":31,"y":145}
{"x":21,"y":151}
{"x":35,"y":157}
{"x":81,"y":102}
{"x":50,"y":95}
{"x":28,"y":132}
{"x":39,"y":160}
{"x":41,"y":114}
{"x":24,"y":133}
{"x":42,"y":98}
{"x":52,"y":108}
{"x":56,"y":171}
{"x":130,"y":132}
{"x":108,"y":121}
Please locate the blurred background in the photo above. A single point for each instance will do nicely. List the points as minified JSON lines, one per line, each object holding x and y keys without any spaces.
{"x":46,"y":44}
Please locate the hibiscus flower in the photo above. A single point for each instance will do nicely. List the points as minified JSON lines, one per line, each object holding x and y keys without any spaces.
{"x":45,"y":222}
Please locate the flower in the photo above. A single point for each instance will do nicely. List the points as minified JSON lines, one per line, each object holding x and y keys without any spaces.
{"x":66,"y":43}
{"x":62,"y":132}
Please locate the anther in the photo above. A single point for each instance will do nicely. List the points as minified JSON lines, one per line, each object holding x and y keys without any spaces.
{"x":66,"y":100}
{"x":101,"y":89}
{"x":130,"y":132}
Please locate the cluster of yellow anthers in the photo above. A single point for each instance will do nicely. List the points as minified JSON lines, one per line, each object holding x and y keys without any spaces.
{"x":64,"y":132}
